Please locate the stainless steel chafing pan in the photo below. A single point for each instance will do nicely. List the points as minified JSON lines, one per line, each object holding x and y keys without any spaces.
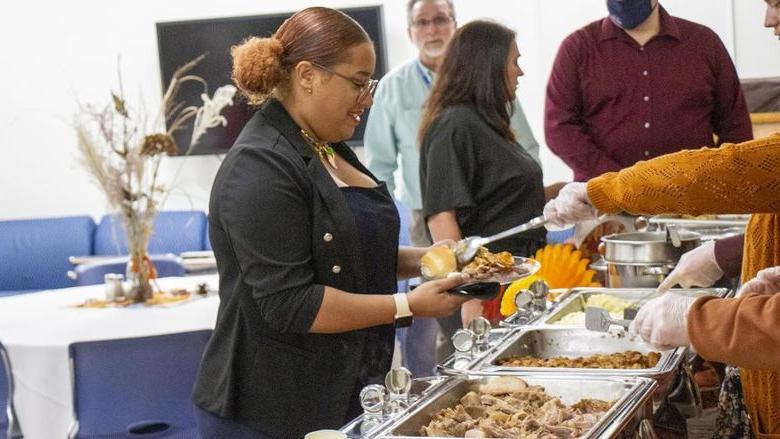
{"x":710,"y":228}
{"x":575,"y":300}
{"x":546,"y":341}
{"x":631,"y":396}
{"x":737,"y":220}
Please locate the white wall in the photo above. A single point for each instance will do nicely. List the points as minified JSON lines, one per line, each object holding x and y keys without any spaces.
{"x":68,"y":54}
{"x":758,"y":49}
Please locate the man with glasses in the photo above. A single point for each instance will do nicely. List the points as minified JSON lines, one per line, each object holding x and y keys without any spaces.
{"x":391,"y":133}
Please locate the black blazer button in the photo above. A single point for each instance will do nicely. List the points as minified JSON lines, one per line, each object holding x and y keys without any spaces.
{"x":327,"y":237}
{"x":336,"y":269}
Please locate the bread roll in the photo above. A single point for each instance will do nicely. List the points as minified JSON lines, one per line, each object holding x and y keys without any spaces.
{"x":438,"y":262}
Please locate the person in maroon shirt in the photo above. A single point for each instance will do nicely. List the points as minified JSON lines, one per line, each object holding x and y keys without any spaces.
{"x":639,"y":84}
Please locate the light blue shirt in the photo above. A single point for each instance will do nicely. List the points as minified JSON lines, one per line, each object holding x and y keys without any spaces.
{"x":394,"y":122}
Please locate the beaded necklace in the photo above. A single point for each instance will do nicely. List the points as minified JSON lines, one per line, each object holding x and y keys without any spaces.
{"x":323,"y":149}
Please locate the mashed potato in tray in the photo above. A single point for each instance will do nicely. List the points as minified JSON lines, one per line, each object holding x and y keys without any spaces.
{"x":615,"y":306}
{"x":611,"y":303}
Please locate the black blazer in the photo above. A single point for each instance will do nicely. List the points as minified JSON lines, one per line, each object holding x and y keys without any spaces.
{"x":281,"y":230}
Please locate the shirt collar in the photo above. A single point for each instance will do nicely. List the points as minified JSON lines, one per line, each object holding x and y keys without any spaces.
{"x":425,"y":71}
{"x":669,"y":28}
{"x":278,"y":116}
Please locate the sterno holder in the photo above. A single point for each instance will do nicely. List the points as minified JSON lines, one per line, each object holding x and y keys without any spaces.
{"x":398,"y":383}
{"x":372,"y":399}
{"x":480,"y":326}
{"x":464,"y":341}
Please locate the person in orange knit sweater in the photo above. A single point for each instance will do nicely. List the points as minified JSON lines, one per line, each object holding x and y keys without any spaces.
{"x":741,"y":178}
{"x":735,"y":178}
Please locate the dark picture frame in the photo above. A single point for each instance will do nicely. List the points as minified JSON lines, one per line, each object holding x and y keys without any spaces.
{"x":179,"y":42}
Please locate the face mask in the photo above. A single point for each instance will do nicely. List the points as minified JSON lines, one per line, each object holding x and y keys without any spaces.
{"x":629,"y":14}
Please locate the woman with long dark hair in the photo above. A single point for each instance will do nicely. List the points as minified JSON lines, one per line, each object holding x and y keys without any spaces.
{"x":475,"y":178}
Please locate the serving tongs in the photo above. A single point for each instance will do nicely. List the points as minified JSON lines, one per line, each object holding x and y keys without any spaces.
{"x":467,"y":248}
{"x":599,"y":319}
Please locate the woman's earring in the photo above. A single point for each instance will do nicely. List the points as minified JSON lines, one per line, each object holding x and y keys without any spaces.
{"x":309,"y":90}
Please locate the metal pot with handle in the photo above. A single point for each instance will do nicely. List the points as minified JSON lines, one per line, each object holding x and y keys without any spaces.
{"x":643,"y":259}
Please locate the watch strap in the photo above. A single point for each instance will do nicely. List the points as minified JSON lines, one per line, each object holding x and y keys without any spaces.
{"x":403,"y":314}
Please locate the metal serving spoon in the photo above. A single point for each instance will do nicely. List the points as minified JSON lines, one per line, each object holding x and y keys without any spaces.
{"x":467,"y":248}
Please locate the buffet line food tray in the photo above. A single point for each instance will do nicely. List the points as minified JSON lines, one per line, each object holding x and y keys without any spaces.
{"x":704,"y":222}
{"x":630,"y":397}
{"x":546,"y":342}
{"x":575,"y":300}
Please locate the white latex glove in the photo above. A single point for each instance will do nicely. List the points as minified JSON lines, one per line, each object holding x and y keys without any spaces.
{"x":664,"y":320}
{"x":767,"y":281}
{"x":697,"y":268}
{"x":571,"y":206}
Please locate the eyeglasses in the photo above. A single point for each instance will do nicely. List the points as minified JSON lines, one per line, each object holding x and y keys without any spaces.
{"x":438,"y":21}
{"x":366,"y":87}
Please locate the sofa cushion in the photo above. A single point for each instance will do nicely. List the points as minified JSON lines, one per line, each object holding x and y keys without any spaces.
{"x":34,"y":252}
{"x":174,"y":232}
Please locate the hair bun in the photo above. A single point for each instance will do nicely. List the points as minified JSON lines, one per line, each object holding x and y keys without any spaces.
{"x":257,"y":67}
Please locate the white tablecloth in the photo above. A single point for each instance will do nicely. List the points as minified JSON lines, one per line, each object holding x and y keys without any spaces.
{"x":37,"y":329}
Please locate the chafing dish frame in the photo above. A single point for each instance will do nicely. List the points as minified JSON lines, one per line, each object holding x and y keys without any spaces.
{"x":627,"y":413}
{"x":421,"y":387}
{"x":576,"y":298}
{"x":664,"y":372}
{"x":724,"y":221}
{"x":459,"y":363}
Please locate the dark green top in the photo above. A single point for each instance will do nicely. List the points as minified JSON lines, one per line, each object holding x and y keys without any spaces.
{"x":492,"y":184}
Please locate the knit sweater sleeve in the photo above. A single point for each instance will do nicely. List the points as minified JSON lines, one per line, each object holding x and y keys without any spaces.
{"x":735,"y":178}
{"x":740,"y":331}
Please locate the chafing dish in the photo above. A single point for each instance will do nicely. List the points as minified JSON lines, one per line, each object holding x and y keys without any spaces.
{"x":714,"y":227}
{"x":376,"y":416}
{"x":576,"y":299}
{"x":464,"y":359}
{"x":736,"y":220}
{"x":548,"y":341}
{"x":632,"y":407}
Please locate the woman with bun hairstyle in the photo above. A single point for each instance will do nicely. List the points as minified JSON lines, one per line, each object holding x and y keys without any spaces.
{"x":306,"y":242}
{"x":476,"y":179}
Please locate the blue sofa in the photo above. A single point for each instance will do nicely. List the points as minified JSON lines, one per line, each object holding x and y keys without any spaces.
{"x":34,"y":253}
{"x":175,"y":231}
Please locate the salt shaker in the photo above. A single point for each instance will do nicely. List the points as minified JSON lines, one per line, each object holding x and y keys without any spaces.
{"x":113,"y":286}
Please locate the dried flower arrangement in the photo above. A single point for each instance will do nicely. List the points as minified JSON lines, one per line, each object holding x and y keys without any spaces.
{"x":123,"y":151}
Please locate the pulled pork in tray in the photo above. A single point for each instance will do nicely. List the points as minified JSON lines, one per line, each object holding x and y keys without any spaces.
{"x":508,"y":407}
{"x":485,"y":264}
{"x":618,"y":360}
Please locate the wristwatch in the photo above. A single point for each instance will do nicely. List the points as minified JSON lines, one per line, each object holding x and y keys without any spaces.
{"x":403,"y":314}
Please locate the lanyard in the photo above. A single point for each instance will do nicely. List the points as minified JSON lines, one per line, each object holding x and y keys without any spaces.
{"x":426,"y":78}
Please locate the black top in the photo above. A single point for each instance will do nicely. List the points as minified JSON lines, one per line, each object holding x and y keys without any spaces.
{"x":281,"y":230}
{"x":492,"y":184}
{"x":378,"y":225}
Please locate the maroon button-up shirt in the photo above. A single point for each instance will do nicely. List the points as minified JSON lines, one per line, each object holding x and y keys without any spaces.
{"x":611,"y":102}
